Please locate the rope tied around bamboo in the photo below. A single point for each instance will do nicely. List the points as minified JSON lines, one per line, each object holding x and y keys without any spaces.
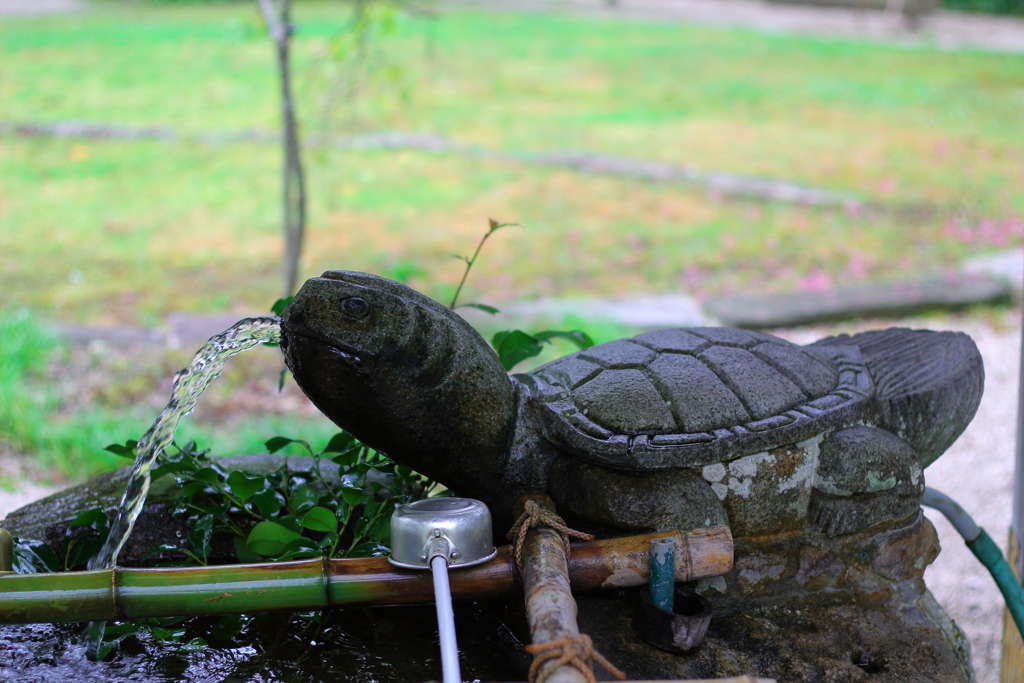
{"x":575,"y":650}
{"x":533,"y":516}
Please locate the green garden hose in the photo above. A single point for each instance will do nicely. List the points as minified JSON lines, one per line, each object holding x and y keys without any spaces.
{"x":984,"y":548}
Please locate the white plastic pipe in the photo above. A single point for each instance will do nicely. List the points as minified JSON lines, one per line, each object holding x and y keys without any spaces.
{"x":445,"y":620}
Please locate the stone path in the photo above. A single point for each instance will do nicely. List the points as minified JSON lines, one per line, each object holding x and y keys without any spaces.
{"x":951,"y":30}
{"x":18,"y":8}
{"x":995,"y":278}
{"x":944,"y":29}
{"x":19,"y":485}
{"x":718,"y":183}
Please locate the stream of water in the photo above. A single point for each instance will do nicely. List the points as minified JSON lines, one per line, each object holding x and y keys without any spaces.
{"x":189,"y":384}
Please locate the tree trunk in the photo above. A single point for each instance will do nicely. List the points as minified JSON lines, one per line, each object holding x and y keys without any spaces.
{"x":276,"y":15}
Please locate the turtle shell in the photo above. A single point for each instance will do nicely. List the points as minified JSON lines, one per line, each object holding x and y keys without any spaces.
{"x":688,"y":397}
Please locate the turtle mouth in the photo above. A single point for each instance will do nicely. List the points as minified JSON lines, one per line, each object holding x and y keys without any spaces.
{"x":350,"y":352}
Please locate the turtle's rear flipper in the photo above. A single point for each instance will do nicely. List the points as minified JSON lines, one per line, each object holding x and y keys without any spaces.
{"x":928,"y":384}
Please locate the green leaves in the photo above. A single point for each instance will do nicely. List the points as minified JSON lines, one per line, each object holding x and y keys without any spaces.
{"x":166,"y":630}
{"x":291,"y":512}
{"x":480,"y":307}
{"x":229,"y":626}
{"x":280,"y":305}
{"x":278,"y":442}
{"x":243,"y":486}
{"x":354,"y":496}
{"x":84,"y":537}
{"x":34,"y":557}
{"x":581,"y":339}
{"x":270,"y":538}
{"x":125,"y":451}
{"x":320,"y":519}
{"x":207,"y":475}
{"x":304,"y":498}
{"x":269,"y":502}
{"x":341,"y":442}
{"x":202,"y":532}
{"x":515,"y":346}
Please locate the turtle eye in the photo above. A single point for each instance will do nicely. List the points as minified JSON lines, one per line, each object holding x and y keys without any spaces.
{"x":355,"y":307}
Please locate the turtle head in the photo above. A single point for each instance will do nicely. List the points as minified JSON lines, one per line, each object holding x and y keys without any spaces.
{"x":403,"y":374}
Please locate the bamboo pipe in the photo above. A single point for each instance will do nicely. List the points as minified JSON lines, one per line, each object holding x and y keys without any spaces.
{"x":6,"y":551}
{"x":117,"y":593}
{"x":550,"y":607}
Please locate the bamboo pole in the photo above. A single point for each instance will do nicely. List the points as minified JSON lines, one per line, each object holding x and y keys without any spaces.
{"x":550,"y":607}
{"x":6,"y":551}
{"x":561,"y":654}
{"x":1012,"y":657}
{"x":118,"y":593}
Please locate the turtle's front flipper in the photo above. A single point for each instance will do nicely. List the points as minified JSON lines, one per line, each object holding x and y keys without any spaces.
{"x":865,"y":476}
{"x":928,"y":384}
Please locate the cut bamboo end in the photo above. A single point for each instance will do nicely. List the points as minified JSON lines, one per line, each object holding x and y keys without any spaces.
{"x":6,"y":552}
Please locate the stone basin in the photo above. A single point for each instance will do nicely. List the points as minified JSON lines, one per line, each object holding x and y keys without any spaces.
{"x":798,"y":607}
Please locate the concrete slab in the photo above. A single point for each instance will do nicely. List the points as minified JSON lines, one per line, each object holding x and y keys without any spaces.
{"x":652,"y":311}
{"x":36,"y":7}
{"x":191,"y":329}
{"x":884,"y":299}
{"x":942,"y":28}
{"x":1007,"y":266}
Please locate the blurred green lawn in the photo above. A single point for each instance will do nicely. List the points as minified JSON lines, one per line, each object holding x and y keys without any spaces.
{"x":106,"y":231}
{"x":124,"y":231}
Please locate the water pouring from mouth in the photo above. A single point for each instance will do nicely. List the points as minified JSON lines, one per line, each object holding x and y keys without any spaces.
{"x":189,"y":384}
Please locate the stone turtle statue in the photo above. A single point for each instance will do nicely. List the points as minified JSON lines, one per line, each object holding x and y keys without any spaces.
{"x":672,"y":428}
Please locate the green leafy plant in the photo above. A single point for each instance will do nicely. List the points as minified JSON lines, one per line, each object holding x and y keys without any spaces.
{"x":84,"y":537}
{"x":169,"y":631}
{"x":515,"y":346}
{"x":338,"y":506}
{"x":34,"y":557}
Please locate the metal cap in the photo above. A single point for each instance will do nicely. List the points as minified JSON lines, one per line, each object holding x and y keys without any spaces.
{"x":458,"y":529}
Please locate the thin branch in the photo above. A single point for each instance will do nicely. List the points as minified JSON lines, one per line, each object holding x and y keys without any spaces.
{"x":494,"y":227}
